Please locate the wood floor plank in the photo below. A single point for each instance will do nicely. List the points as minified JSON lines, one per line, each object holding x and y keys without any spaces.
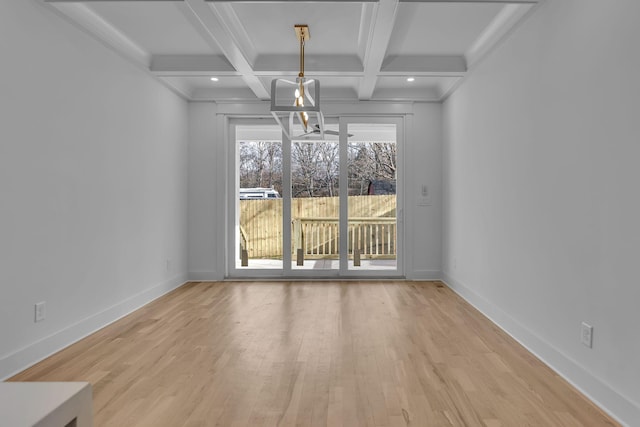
{"x":370,"y":354}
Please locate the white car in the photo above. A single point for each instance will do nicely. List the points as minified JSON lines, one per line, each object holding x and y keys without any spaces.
{"x":258,"y":193}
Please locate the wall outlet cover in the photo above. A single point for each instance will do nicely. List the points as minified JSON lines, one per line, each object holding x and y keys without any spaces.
{"x":40,"y":311}
{"x":586,"y":335}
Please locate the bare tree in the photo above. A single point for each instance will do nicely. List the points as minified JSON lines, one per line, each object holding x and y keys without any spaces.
{"x":329,"y":158}
{"x":261,"y":164}
{"x":370,"y":161}
{"x":304,"y":159}
{"x":315,"y":166}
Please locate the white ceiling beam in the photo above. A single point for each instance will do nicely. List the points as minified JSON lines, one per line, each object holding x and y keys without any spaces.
{"x":366,"y":17}
{"x":316,"y":74}
{"x":313,"y":64}
{"x":215,"y":32}
{"x":498,"y":28}
{"x":290,"y":75}
{"x":236,"y":29}
{"x":82,"y":15}
{"x":378,"y":41}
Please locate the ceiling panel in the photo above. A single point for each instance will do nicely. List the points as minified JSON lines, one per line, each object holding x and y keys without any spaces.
{"x":357,"y":50}
{"x":439,"y":28}
{"x":160,"y":28}
{"x":333,"y":27}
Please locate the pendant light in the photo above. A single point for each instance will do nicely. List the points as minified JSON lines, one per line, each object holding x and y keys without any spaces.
{"x":297,"y":101}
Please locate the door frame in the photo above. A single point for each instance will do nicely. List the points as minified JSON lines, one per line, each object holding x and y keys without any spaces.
{"x":399,"y":122}
{"x":233,"y":202}
{"x":287,"y":272}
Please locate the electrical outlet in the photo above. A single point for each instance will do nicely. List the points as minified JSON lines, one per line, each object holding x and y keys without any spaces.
{"x":168,"y":266}
{"x":40,"y":311}
{"x":455,"y":263}
{"x":586,"y":335}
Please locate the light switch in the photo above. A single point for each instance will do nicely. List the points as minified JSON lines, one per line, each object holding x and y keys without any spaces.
{"x":424,"y":198}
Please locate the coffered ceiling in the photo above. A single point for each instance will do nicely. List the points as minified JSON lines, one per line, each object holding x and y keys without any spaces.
{"x":358,"y":50}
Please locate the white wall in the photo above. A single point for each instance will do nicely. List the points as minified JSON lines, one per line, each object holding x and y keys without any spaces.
{"x":206,"y":201}
{"x":423,"y":159}
{"x":93,"y":156}
{"x":208,"y":168}
{"x":541,"y":192}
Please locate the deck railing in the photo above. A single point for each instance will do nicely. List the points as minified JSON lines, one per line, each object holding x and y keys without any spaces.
{"x":261,"y":230}
{"x":371,"y":237}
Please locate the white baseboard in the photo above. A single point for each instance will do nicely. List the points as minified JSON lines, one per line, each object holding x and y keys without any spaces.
{"x":212,"y":276}
{"x":424,"y":275}
{"x":619,"y":407}
{"x":27,"y":356}
{"x":205,"y":276}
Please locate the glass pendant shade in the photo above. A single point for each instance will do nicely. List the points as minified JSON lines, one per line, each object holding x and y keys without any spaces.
{"x":297,"y":102}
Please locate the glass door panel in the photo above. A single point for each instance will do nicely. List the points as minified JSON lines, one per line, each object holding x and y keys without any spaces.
{"x":258,"y":242}
{"x":372,"y":203}
{"x":315,"y":202}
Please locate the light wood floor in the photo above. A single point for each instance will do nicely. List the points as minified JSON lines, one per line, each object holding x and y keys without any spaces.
{"x":314,"y":354}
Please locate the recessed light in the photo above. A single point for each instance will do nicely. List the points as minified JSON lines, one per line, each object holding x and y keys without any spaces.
{"x":411,"y":79}
{"x":214,"y":79}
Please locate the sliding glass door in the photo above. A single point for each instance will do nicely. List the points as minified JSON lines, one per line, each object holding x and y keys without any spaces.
{"x":315,"y":203}
{"x":312,"y":207}
{"x":371,"y":169}
{"x":257,"y":196}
